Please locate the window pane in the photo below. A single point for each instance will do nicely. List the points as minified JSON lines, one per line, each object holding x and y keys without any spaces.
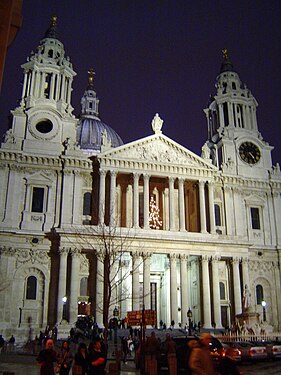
{"x":31,"y":287}
{"x":84,"y":286}
{"x":87,"y":204}
{"x":37,"y":199}
{"x":222,"y":291}
{"x":217,"y":215}
{"x":259,"y":293}
{"x":255,"y":218}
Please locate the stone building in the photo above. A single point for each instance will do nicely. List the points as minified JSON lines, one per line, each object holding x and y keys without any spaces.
{"x":201,"y":232}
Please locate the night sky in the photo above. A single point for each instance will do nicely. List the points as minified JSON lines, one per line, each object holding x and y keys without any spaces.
{"x":158,"y":56}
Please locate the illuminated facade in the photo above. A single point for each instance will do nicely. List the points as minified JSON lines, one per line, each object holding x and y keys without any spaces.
{"x":216,"y":249}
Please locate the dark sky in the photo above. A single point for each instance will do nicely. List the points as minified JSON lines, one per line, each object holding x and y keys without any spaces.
{"x":158,"y":56}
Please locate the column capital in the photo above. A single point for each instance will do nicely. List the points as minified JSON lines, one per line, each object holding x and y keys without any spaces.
{"x":173,"y":256}
{"x":146,"y":176}
{"x":171,"y":179}
{"x":136,"y":175}
{"x":102,"y":172}
{"x":146,"y":255}
{"x":184,"y":257}
{"x":216,"y":258}
{"x":205,"y":258}
{"x":63,"y":251}
{"x":136,"y":255}
{"x":181,"y":180}
{"x":113,"y":172}
{"x":75,"y":253}
{"x":236,"y":260}
{"x":202,"y":183}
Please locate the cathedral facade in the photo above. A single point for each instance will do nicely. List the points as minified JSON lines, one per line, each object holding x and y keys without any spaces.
{"x":187,"y":232}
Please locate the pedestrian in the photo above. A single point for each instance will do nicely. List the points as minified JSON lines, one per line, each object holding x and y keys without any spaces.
{"x":200,"y":361}
{"x":170,"y":351}
{"x":64,"y":359}
{"x":152,"y":350}
{"x":125,"y":348}
{"x":11,"y":343}
{"x":81,"y":360}
{"x":97,"y":358}
{"x":228,"y":365}
{"x":46,"y":359}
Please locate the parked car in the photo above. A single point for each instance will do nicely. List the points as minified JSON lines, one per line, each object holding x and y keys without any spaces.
{"x":273,"y":348}
{"x":250,"y":351}
{"x":235,"y":352}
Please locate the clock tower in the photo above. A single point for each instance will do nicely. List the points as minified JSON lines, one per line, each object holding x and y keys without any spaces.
{"x":235,"y":143}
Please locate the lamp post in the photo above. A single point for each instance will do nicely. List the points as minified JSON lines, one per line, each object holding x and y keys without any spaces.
{"x":64,"y":300}
{"x":115,"y":314}
{"x":263,"y":303}
{"x":189,"y":316}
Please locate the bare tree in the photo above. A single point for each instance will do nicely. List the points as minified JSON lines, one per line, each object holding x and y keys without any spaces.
{"x":109,"y":244}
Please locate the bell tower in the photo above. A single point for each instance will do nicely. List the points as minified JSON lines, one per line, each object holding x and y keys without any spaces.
{"x":44,"y":119}
{"x":234,"y":140}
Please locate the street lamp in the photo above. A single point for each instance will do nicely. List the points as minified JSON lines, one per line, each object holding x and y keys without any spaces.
{"x":189,"y":316}
{"x":64,"y":300}
{"x":263,"y":303}
{"x":115,"y":314}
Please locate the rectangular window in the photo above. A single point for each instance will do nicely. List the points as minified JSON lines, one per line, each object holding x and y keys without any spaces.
{"x":255,"y":217}
{"x":37,"y":199}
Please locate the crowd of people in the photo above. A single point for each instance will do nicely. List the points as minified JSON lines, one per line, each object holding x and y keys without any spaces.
{"x":86,"y":361}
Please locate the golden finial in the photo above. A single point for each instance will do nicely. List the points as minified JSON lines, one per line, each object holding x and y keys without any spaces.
{"x":91,"y":74}
{"x":225,"y":53}
{"x":54,"y":20}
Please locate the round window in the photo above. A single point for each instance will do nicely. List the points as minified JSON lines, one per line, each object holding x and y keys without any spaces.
{"x":44,"y":126}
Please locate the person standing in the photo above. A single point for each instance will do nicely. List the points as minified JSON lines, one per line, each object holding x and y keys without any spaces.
{"x":46,"y":359}
{"x":81,"y":360}
{"x":200,"y":361}
{"x":64,"y":358}
{"x":97,"y":358}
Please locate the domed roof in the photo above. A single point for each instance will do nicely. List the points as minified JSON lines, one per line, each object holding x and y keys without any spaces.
{"x":92,"y":133}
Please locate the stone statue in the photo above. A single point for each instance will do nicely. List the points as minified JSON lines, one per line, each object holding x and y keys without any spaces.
{"x":104,"y":139}
{"x":205,"y":154}
{"x":9,"y":136}
{"x":246,"y":297}
{"x":156,"y":124}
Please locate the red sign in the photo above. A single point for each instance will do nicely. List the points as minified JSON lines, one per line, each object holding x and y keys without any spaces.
{"x":135,"y":318}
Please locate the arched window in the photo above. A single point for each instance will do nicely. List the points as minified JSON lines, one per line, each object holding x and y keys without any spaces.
{"x":222,"y":290}
{"x":84,"y":286}
{"x":259,"y":294}
{"x":217,"y":215}
{"x":31,"y":287}
{"x":87,"y":204}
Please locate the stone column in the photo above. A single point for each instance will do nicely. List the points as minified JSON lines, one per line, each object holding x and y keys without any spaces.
{"x":216,"y":291}
{"x":129,"y":206}
{"x":206,"y":292}
{"x":211,"y":207}
{"x":276,"y":308}
{"x":112,"y":205}
{"x":184,"y":288}
{"x":229,"y":211}
{"x":77,"y":202}
{"x":74,"y":286}
{"x":221,"y":115}
{"x":246,"y":283}
{"x":173,"y":288}
{"x":62,"y":282}
{"x":136,"y":200}
{"x":99,"y":291}
{"x":146,"y":201}
{"x":236,"y":286}
{"x":202,"y":206}
{"x":171,"y":203}
{"x":136,"y":281}
{"x":181,"y":205}
{"x":102,"y":196}
{"x":146,"y":281}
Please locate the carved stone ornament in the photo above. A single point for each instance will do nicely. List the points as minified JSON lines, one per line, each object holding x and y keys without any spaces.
{"x":160,"y":152}
{"x":32,"y":256}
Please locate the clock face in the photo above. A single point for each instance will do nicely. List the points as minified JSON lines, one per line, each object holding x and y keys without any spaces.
{"x":249,"y":152}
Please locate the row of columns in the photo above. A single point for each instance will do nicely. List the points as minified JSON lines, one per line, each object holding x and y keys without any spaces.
{"x":181,"y":201}
{"x":184,"y":302}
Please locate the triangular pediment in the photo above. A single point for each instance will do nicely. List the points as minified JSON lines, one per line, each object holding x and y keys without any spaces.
{"x":157,"y":149}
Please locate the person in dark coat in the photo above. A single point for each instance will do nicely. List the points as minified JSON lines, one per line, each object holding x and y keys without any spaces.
{"x":46,"y":359}
{"x":97,"y":358}
{"x":81,"y":359}
{"x":64,"y":358}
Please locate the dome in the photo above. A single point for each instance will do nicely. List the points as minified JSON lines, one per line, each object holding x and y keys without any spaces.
{"x":92,"y":134}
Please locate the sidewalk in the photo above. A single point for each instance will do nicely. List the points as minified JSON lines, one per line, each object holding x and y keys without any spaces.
{"x":25,"y":364}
